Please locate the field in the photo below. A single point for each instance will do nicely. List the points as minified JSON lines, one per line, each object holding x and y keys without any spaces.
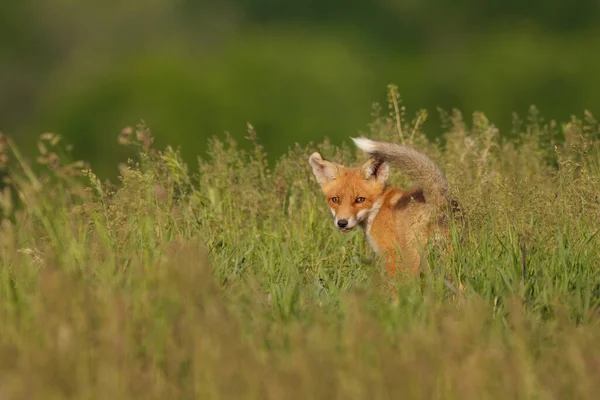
{"x":228,"y":280}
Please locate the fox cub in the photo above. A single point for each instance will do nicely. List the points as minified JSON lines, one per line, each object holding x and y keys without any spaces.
{"x":397,"y":223}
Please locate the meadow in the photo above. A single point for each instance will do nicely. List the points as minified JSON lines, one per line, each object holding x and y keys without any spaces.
{"x":228,"y":280}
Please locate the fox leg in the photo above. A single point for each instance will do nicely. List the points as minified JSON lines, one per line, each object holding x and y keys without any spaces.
{"x":396,"y":260}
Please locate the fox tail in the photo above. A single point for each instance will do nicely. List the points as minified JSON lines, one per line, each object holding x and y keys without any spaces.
{"x":420,"y":168}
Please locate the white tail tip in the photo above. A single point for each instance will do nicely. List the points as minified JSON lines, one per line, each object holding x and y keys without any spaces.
{"x":366,"y":145}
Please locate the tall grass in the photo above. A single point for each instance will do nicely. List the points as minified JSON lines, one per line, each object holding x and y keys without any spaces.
{"x":228,"y":279}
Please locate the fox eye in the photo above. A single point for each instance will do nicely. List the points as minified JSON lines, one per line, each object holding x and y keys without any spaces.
{"x":335,"y":199}
{"x":360,"y":199}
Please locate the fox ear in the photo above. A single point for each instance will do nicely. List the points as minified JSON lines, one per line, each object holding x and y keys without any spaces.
{"x":324,"y":171}
{"x":377,"y":169}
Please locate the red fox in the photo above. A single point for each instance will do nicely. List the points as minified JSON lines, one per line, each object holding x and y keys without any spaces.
{"x":397,"y":223}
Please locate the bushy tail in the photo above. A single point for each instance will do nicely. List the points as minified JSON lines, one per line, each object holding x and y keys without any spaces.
{"x":422,"y":169}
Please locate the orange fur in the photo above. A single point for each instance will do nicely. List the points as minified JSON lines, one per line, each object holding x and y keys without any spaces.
{"x":397,"y":223}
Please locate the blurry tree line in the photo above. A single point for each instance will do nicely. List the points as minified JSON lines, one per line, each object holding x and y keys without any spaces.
{"x":298,"y":71}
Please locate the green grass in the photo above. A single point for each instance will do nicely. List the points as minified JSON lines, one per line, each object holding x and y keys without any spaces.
{"x":228,"y":280}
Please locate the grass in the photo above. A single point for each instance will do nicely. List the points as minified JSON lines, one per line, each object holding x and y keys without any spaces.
{"x":228,"y":280}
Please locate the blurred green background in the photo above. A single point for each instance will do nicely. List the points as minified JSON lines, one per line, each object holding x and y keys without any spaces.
{"x":298,"y":71}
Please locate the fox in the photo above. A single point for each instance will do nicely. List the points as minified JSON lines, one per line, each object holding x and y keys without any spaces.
{"x":397,"y":223}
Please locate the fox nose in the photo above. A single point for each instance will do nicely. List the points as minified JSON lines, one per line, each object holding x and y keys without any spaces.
{"x":342,"y":223}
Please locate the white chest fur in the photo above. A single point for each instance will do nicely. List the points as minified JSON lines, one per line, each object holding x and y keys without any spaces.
{"x":370,"y":219}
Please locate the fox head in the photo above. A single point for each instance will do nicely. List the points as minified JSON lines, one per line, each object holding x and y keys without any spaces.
{"x":351,"y":193}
